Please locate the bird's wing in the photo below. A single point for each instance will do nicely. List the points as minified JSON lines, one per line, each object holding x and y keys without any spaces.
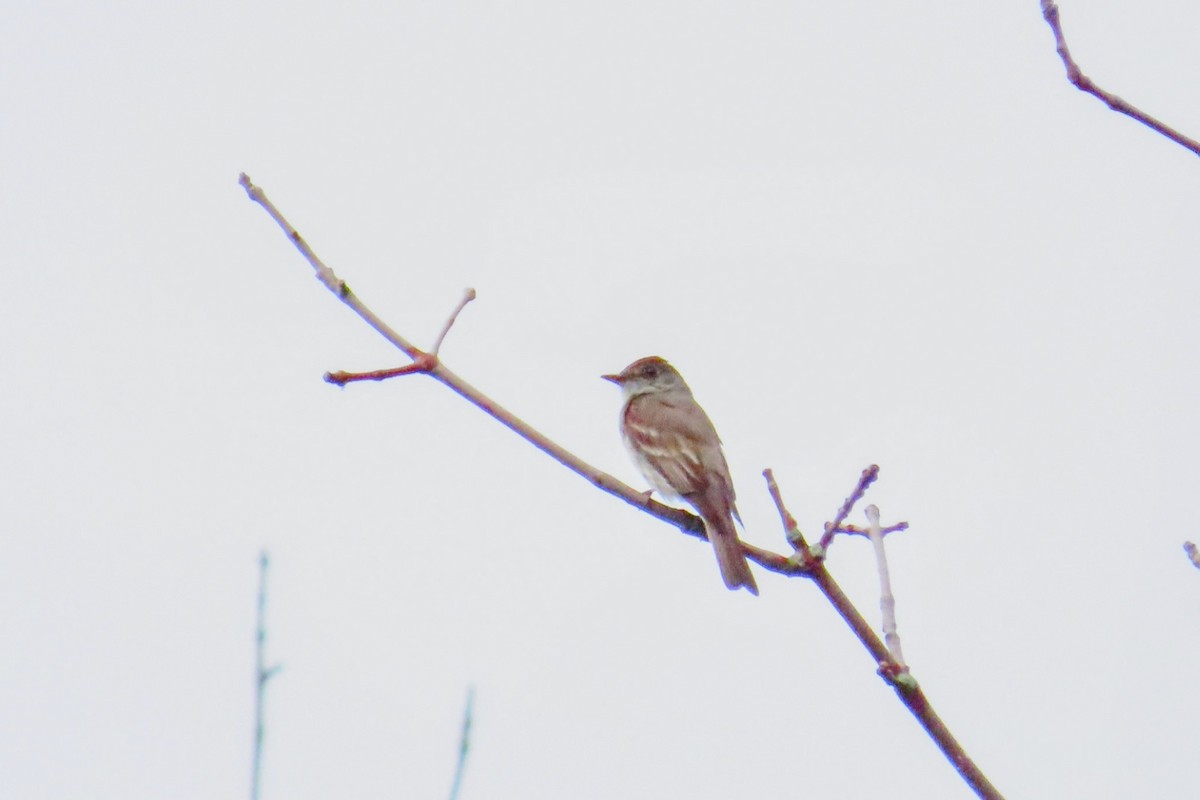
{"x":679,"y":442}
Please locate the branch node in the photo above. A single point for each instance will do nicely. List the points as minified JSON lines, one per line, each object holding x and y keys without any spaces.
{"x":898,"y":676}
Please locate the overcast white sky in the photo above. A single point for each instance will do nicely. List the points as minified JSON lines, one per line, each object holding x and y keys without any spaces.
{"x":865,"y":232}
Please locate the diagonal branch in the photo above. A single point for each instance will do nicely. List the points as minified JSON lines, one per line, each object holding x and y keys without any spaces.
{"x":428,"y":363}
{"x":1085,"y":84}
{"x":806,"y":561}
{"x":464,"y":741}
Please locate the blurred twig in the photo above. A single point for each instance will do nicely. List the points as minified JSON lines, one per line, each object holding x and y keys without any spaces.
{"x":262,"y":674}
{"x":1085,"y":84}
{"x":891,"y":668}
{"x":1193,"y":553}
{"x":464,"y":744}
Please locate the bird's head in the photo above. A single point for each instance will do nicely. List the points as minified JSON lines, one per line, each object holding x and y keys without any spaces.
{"x":648,"y":375}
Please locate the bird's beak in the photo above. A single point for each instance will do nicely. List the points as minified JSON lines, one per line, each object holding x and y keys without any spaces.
{"x":614,"y":378}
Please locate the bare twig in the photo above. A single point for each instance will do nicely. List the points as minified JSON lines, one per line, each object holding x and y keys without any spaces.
{"x":854,"y":530}
{"x":1193,"y":553}
{"x":1085,"y":84}
{"x":831,"y":528}
{"x":468,"y":296}
{"x":791,"y":530}
{"x":262,"y":674}
{"x":901,"y":680}
{"x":326,"y":276}
{"x":424,"y":363}
{"x":887,"y":602}
{"x":464,"y":743}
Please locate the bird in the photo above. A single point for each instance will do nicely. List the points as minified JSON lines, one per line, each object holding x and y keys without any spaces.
{"x":676,"y":447}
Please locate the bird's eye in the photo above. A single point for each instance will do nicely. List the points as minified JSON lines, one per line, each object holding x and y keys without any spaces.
{"x":650,"y":371}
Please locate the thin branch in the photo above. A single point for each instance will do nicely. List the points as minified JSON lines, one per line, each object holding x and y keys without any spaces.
{"x":887,"y":602}
{"x":468,"y":296}
{"x":424,"y":363}
{"x":831,"y":528}
{"x":791,"y":531}
{"x":464,"y":743}
{"x":803,"y":563}
{"x":325,"y":275}
{"x":854,"y":530}
{"x":1085,"y":84}
{"x":1193,"y":554}
{"x":262,"y":674}
{"x":900,"y":678}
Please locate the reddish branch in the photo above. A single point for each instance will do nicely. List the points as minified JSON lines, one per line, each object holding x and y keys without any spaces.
{"x":1085,"y":84}
{"x":808,"y":562}
{"x":869,"y":475}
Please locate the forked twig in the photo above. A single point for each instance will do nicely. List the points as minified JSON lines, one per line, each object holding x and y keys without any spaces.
{"x":802,"y":563}
{"x":897,"y":674}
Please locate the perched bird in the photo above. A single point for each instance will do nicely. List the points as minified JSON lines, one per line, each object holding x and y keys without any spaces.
{"x":676,"y":447}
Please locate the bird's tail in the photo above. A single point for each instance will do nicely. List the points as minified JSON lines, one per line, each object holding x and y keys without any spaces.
{"x":735,"y":571}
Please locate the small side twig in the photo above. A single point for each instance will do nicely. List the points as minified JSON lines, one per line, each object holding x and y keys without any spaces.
{"x":887,"y":602}
{"x":831,"y":528}
{"x":1085,"y":84}
{"x":854,"y":530}
{"x":1193,"y":554}
{"x":262,"y":674}
{"x":424,"y":363}
{"x":464,"y":744}
{"x":790,"y":528}
{"x":467,"y":297}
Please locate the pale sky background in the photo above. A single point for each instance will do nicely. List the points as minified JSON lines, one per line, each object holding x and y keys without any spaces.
{"x":865,"y":233}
